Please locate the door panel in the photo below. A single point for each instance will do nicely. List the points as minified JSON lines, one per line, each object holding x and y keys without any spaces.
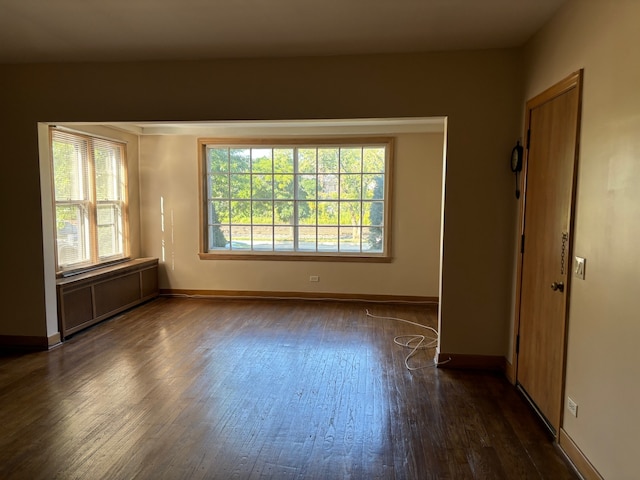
{"x":546,"y":260}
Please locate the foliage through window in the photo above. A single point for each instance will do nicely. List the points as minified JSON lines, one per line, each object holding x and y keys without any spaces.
{"x":314,"y":198}
{"x":89,"y":179}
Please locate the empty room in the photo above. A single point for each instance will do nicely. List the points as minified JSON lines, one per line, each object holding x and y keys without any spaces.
{"x":331,"y":240}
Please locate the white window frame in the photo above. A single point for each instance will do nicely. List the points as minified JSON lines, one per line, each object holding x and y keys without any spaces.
{"x":88,"y":205}
{"x":249,"y":251}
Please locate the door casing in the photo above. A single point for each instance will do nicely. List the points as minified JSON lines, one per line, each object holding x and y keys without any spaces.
{"x":572,"y":81}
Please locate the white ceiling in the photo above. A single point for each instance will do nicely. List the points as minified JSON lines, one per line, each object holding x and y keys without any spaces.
{"x":123,"y":30}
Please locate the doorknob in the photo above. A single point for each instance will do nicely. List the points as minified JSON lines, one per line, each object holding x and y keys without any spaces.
{"x":555,"y":286}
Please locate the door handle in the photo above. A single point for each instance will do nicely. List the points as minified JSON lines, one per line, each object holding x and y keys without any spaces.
{"x":555,"y":286}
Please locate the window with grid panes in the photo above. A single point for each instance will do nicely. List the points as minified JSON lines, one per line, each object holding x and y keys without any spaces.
{"x":89,"y":179}
{"x":325,"y":198}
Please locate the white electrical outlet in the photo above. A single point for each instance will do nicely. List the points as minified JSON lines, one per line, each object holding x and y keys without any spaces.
{"x":572,"y":407}
{"x":314,"y":278}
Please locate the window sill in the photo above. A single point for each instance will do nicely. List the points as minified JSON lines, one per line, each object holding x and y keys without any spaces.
{"x":90,"y":268}
{"x":286,"y":256}
{"x":106,"y":271}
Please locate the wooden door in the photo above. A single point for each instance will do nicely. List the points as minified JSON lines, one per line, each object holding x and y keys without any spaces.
{"x":553,"y":124}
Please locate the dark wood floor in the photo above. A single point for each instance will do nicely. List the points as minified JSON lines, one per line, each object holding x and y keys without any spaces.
{"x":194,"y":388}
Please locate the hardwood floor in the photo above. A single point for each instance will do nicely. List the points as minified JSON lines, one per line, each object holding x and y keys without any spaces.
{"x":196,"y":388}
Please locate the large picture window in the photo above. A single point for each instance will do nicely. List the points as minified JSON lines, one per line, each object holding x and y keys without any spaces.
{"x":89,"y":179}
{"x":325,"y":198}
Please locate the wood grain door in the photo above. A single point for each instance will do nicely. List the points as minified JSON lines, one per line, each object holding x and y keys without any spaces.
{"x":553,"y":123}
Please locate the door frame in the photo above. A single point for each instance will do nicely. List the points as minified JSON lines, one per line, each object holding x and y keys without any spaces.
{"x":574,"y":80}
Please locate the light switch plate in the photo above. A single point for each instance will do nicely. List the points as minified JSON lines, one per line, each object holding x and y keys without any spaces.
{"x":579,"y":267}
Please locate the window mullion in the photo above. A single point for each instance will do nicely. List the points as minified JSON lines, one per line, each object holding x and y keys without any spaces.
{"x":273,"y":201}
{"x":92,"y":203}
{"x":360,"y":199}
{"x":205,"y":178}
{"x":123,"y":201}
{"x":316,"y":199}
{"x":339,"y":201}
{"x":251,"y":198}
{"x":296,"y":200}
{"x":229,"y":199}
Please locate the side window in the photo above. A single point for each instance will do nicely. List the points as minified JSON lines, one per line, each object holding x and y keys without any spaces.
{"x":90,"y":193}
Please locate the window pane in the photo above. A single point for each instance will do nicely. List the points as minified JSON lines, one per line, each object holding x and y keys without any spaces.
{"x":240,"y":186}
{"x":284,"y":213}
{"x":307,"y":213}
{"x":240,"y":238}
{"x":328,"y":187}
{"x":372,"y":239}
{"x":349,"y":239}
{"x":219,"y":186}
{"x":328,"y":160}
{"x":218,"y":235}
{"x":262,"y":238}
{"x":219,"y":212}
{"x":307,"y":160}
{"x":307,"y":239}
{"x":327,"y":239}
{"x":262,"y":213}
{"x":350,"y":160}
{"x":372,"y":213}
{"x":350,"y":213}
{"x":240,"y":160}
{"x":241,"y":212}
{"x":107,"y":164}
{"x":283,"y":160}
{"x":262,"y":186}
{"x":218,"y":160}
{"x":327,"y":213}
{"x":70,"y":167}
{"x":373,"y":187}
{"x":261,"y":161}
{"x":283,"y":187}
{"x":350,"y":188}
{"x":373,"y":159}
{"x":109,"y":232}
{"x":283,"y":238}
{"x":306,"y":187}
{"x":72,"y":235}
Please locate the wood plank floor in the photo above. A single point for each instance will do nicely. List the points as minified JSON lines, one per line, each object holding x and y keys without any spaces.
{"x":197,"y":388}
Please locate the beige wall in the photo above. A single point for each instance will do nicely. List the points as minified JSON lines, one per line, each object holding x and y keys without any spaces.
{"x":603,"y":363}
{"x":479,"y":92}
{"x":170,"y":175}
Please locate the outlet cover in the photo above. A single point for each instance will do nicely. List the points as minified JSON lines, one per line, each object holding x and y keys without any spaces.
{"x":572,"y":407}
{"x":314,"y":278}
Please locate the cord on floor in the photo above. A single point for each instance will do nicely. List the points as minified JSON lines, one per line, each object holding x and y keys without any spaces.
{"x":415,"y":342}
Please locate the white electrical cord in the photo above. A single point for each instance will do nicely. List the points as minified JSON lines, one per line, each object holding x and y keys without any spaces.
{"x":415,"y":342}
